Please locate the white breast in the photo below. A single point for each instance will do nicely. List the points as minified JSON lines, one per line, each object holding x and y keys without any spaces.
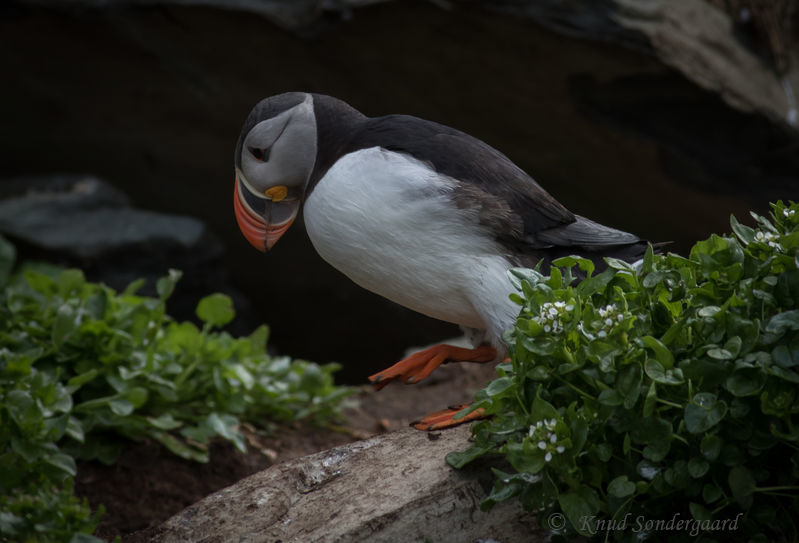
{"x":385,"y":220}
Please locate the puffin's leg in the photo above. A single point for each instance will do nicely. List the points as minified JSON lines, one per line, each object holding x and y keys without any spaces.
{"x":441,"y":420}
{"x":419,"y":365}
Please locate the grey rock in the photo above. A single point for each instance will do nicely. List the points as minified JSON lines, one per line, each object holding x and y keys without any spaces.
{"x":392,"y":487}
{"x":84,"y":222}
{"x":86,"y":218}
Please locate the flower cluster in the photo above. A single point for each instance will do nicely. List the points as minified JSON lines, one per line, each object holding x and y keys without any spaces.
{"x":610,"y":317}
{"x":769,"y":239}
{"x":543,"y":431}
{"x":552,"y":314}
{"x":789,"y":212}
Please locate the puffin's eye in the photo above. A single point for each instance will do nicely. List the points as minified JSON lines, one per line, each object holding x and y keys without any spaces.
{"x":259,"y":154}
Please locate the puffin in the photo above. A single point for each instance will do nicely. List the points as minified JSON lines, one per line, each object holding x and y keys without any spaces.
{"x":415,"y":211}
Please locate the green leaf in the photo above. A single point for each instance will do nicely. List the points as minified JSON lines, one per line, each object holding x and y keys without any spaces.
{"x":595,"y":284}
{"x":720,"y":354}
{"x":121,"y":407}
{"x":570,"y":261}
{"x":782,"y":322}
{"x":133,"y":287}
{"x":69,"y":281}
{"x":225,"y":426}
{"x":651,"y":430}
{"x":662,"y":353}
{"x":710,"y":446}
{"x":526,"y":274}
{"x":525,"y":457}
{"x":610,"y":397}
{"x":216,"y":309}
{"x":655,"y":371}
{"x":8,"y":255}
{"x":498,"y":386}
{"x":165,"y":286}
{"x":742,"y":484}
{"x":165,"y":422}
{"x":628,"y":383}
{"x":63,"y":462}
{"x":704,"y":412}
{"x":604,"y":452}
{"x":459,"y":459}
{"x":745,"y":381}
{"x":621,"y":487}
{"x":709,"y":311}
{"x":179,"y":448}
{"x":65,"y":323}
{"x":97,"y":305}
{"x":651,"y":400}
{"x":23,"y":409}
{"x":79,"y":380}
{"x":698,"y":467}
{"x":75,"y":429}
{"x":711,"y":493}
{"x":699,"y":512}
{"x":785,"y":356}
{"x":744,"y":233}
{"x":259,"y":338}
{"x":137,"y":396}
{"x":578,"y":505}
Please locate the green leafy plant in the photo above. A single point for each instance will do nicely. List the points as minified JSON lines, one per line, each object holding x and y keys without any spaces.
{"x":669,"y":387}
{"x":82,"y":366}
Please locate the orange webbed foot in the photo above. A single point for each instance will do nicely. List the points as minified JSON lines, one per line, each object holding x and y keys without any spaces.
{"x":441,"y":420}
{"x":420,"y":365}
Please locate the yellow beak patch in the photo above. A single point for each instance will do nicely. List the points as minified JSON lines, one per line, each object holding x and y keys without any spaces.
{"x":277,"y":193}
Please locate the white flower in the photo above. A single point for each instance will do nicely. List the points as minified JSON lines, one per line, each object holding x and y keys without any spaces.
{"x":789,"y":212}
{"x":769,"y":238}
{"x":551,"y":315}
{"x":544,"y":436}
{"x":610,"y":315}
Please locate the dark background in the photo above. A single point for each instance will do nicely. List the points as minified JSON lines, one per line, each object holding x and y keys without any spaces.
{"x":152,"y":99}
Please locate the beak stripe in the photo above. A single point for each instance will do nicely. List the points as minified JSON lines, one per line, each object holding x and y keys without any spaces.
{"x":255,"y":203}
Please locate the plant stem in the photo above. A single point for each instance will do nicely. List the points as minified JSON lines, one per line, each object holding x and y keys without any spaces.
{"x":570,"y":385}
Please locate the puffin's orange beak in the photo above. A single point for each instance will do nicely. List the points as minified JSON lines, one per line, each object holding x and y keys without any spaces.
{"x":263,"y":231}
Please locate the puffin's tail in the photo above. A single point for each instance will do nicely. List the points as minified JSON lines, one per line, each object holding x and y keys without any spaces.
{"x":591,"y":240}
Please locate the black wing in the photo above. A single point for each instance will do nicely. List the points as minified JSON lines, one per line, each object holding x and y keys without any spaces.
{"x":510,"y":202}
{"x":519,"y":213}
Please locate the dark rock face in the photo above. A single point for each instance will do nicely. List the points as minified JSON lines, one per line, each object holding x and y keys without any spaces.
{"x":84,"y":222}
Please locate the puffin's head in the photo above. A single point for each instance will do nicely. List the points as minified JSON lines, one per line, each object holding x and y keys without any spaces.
{"x":274,"y":158}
